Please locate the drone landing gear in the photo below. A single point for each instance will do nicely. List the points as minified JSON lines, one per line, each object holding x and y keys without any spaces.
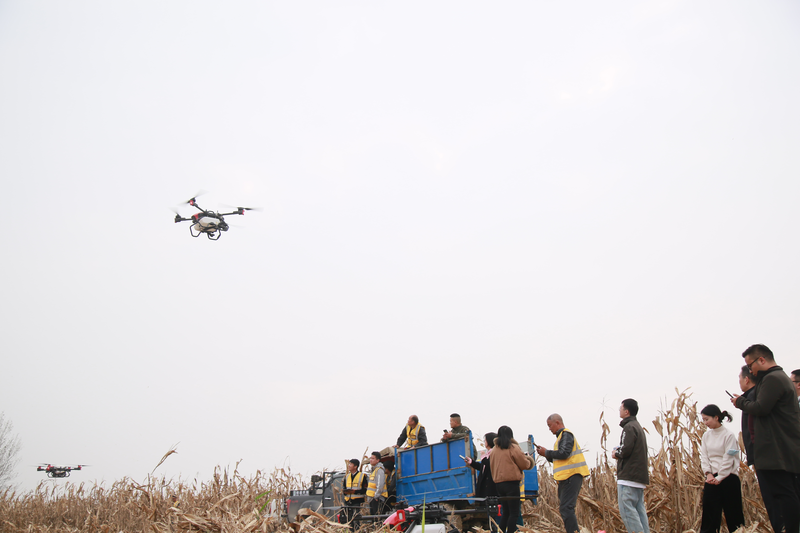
{"x":195,"y":230}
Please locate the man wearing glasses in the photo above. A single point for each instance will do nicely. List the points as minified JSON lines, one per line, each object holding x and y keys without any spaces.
{"x":776,"y":447}
{"x":796,"y":381}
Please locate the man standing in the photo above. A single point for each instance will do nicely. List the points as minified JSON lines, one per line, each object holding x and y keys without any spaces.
{"x":569,"y":469}
{"x":746,"y":383}
{"x":413,"y":434}
{"x":632,"y":470}
{"x":391,"y":485}
{"x":457,"y":431}
{"x":796,"y":381}
{"x":355,"y":487}
{"x":377,"y":492}
{"x":776,"y":445}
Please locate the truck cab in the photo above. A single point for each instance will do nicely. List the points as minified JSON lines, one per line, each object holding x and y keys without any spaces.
{"x":323,"y":496}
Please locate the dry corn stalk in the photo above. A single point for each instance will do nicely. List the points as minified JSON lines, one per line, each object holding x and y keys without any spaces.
{"x":229,"y":503}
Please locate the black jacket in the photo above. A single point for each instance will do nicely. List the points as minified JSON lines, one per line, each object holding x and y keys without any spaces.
{"x":776,"y":424}
{"x":565,"y":446}
{"x":747,"y":438}
{"x":632,"y":453}
{"x":485,"y":485}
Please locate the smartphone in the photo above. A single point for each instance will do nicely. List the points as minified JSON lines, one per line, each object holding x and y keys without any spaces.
{"x":729,"y":394}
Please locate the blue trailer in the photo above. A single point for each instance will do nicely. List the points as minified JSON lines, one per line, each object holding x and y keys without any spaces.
{"x":438,"y":473}
{"x":435,"y":473}
{"x":437,"y":476}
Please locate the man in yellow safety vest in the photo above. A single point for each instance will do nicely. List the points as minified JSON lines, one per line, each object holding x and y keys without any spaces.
{"x":377,"y":491}
{"x":413,"y":434}
{"x":354,"y":489}
{"x":569,"y":469}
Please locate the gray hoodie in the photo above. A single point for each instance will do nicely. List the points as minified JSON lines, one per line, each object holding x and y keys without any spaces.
{"x":380,"y":479}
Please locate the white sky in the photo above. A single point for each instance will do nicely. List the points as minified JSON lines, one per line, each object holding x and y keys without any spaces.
{"x":505,"y":210}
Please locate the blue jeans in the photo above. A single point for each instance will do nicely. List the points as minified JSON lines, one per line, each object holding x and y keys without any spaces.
{"x":631,"y":509}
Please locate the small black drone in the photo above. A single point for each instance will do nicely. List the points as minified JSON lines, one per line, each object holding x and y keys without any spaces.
{"x":58,"y":471}
{"x":209,"y":222}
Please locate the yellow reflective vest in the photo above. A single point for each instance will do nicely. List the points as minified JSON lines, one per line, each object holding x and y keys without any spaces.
{"x":372,"y":485}
{"x":353,"y":482}
{"x":412,"y":435}
{"x":574,"y":464}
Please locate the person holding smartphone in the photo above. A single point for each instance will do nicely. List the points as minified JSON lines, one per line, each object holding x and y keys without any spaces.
{"x":485,"y":486}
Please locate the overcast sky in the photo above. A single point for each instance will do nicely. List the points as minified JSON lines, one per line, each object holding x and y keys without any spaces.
{"x":500,"y":209}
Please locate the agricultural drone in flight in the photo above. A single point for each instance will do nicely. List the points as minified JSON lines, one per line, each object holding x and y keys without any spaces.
{"x":58,"y":471}
{"x":211,"y":223}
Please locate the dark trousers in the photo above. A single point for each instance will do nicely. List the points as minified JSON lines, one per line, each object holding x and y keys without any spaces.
{"x":727,"y":497}
{"x":376,"y":506}
{"x":783,"y":488}
{"x":770,"y":505}
{"x":568,"y":490}
{"x":350,"y":510}
{"x":509,"y":499}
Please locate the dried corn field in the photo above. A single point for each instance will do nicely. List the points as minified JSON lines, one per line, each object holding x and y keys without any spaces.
{"x":231,"y":503}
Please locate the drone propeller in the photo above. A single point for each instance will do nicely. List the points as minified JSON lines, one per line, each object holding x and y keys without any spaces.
{"x":241,"y":210}
{"x":191,"y":200}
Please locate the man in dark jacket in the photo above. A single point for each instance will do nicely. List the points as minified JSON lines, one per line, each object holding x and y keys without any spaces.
{"x":748,"y":386}
{"x":633,"y":474}
{"x":457,"y":429}
{"x":354,"y":488}
{"x":413,"y":434}
{"x":776,"y":427}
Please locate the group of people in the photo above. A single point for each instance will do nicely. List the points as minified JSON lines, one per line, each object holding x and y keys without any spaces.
{"x":770,"y":405}
{"x":377,"y":489}
{"x":569,"y":469}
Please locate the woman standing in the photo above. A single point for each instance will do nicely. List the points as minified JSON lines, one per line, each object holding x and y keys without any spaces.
{"x":719,"y":457}
{"x":507,"y":462}
{"x":485,"y":486}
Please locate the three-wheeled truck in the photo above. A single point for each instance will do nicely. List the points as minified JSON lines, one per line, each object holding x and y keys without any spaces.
{"x":434,"y":478}
{"x":437,"y":479}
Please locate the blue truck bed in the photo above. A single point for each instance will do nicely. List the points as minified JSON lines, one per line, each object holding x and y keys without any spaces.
{"x":436,"y":473}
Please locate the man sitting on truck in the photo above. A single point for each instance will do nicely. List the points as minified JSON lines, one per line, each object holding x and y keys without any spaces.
{"x":413,"y":434}
{"x":377,"y":492}
{"x":457,"y":430}
{"x":355,"y":489}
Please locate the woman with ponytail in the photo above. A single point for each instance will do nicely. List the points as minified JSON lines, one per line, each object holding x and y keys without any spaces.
{"x":719,"y":457}
{"x":507,"y":462}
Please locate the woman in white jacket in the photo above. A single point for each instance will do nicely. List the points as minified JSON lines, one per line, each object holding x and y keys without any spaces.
{"x":719,"y":456}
